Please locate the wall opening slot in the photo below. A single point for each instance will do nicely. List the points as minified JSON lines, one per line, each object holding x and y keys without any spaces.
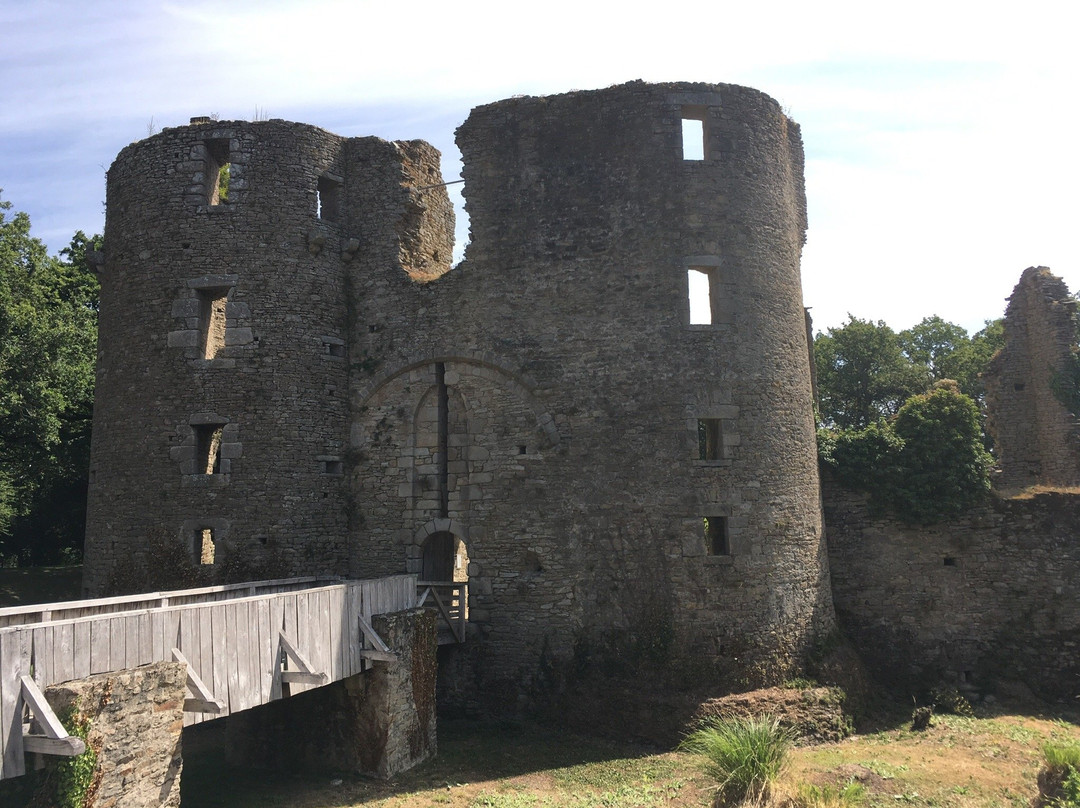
{"x":693,"y":133}
{"x":212,"y":306}
{"x":218,"y":171}
{"x":328,"y":195}
{"x":208,"y":448}
{"x":716,"y":535}
{"x":700,"y":291}
{"x":710,"y":439}
{"x":204,"y":545}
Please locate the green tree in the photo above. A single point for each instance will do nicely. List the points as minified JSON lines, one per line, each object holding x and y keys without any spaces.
{"x":947,"y":352}
{"x":925,"y":464}
{"x":48,"y":333}
{"x":862,"y":373}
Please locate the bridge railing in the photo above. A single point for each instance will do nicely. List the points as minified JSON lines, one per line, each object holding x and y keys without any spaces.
{"x":242,"y":650}
{"x":65,"y":610}
{"x":450,"y":599}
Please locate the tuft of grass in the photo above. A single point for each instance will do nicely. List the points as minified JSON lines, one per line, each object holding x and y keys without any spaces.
{"x":1060,"y":755}
{"x":813,"y":796}
{"x":744,"y":755}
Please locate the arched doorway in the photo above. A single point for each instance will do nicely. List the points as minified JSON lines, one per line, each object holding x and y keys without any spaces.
{"x":445,"y":570}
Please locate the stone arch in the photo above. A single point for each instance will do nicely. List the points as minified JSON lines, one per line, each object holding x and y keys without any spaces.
{"x":479,"y":364}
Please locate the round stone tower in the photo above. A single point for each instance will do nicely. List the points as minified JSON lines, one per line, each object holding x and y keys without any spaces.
{"x":222,"y":390}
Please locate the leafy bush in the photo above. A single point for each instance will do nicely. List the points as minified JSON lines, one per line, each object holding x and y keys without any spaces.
{"x":926,"y":464}
{"x":1058,"y":756}
{"x":950,"y":700}
{"x":744,"y":755}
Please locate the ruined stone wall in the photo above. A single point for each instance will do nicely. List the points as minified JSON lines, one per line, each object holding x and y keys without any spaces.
{"x":992,"y":595}
{"x":1036,"y":438}
{"x":574,"y":476}
{"x":223,"y":366}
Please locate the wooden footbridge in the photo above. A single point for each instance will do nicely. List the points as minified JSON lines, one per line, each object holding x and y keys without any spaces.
{"x":243,"y":645}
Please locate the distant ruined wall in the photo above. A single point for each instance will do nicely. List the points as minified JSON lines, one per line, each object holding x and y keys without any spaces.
{"x":992,"y":595}
{"x":1036,"y":438}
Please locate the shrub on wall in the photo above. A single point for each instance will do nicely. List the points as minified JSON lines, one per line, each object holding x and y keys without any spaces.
{"x":925,"y":464}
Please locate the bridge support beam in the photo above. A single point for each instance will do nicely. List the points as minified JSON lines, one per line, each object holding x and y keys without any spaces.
{"x":132,"y":721}
{"x":380,"y":722}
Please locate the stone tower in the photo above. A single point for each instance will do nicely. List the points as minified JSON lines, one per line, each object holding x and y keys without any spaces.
{"x":610,"y":474}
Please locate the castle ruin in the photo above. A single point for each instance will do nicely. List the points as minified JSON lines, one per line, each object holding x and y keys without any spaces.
{"x":293,"y":377}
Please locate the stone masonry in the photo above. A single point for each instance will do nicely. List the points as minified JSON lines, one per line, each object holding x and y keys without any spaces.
{"x":294,"y":372}
{"x":1036,"y":438}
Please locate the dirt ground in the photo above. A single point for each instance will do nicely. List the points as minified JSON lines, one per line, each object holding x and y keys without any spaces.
{"x":990,"y":761}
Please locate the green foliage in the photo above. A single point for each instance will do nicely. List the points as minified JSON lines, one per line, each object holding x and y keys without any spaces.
{"x":926,"y":464}
{"x":946,"y":351}
{"x":862,"y":373}
{"x":48,"y":335}
{"x":75,"y":775}
{"x":828,"y":796}
{"x":744,"y":755}
{"x":950,"y":700}
{"x":1063,"y":763}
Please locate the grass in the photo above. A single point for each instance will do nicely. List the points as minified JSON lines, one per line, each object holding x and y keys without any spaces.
{"x":981,"y":762}
{"x":744,"y":755}
{"x":22,"y":586}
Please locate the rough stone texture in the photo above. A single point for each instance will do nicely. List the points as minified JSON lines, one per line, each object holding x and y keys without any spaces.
{"x":380,"y":722}
{"x":540,"y":402}
{"x":1036,"y":438}
{"x":993,"y":595}
{"x":136,"y":718}
{"x":814,"y":715}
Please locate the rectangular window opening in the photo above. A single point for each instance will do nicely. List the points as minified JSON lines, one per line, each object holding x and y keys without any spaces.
{"x":208,"y":448}
{"x":204,"y":545}
{"x":332,"y":467}
{"x":700,"y":291}
{"x":716,"y":535}
{"x":218,"y":172}
{"x":212,"y":303}
{"x":949,"y":561}
{"x":334,"y":348}
{"x":710,"y":439}
{"x":328,"y":198}
{"x":693,"y":133}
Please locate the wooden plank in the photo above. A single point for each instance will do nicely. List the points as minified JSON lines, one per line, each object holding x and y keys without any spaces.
{"x":352,"y":629}
{"x":264,"y":650}
{"x":205,"y":666}
{"x":81,"y":640}
{"x":303,"y":626}
{"x":242,"y":648}
{"x":99,"y":646}
{"x":303,"y":678}
{"x":117,"y":644}
{"x":336,"y":609}
{"x":373,"y":637}
{"x":203,"y":700}
{"x":378,"y":656}
{"x":65,"y":652}
{"x":220,"y":655}
{"x":14,"y":663}
{"x":235,"y":697}
{"x":64,"y":747}
{"x":158,"y":646}
{"x":43,"y":713}
{"x":320,"y":630}
{"x":290,"y":611}
{"x":146,"y":639}
{"x":277,"y":624}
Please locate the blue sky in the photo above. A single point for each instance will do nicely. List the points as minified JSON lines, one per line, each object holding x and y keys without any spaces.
{"x":939,"y":135}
